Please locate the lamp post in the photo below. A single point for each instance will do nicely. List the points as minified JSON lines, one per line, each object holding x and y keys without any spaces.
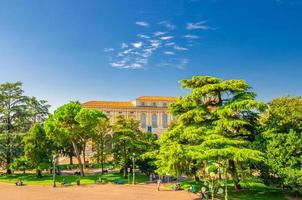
{"x":133,"y":170}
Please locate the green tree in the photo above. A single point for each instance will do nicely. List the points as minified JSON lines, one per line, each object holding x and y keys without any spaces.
{"x":216,"y":121}
{"x":102,"y":139}
{"x":283,"y":138}
{"x":12,"y":122}
{"x":63,"y":128}
{"x":88,"y":120}
{"x":37,"y":149}
{"x":125,"y":140}
{"x":37,"y":110}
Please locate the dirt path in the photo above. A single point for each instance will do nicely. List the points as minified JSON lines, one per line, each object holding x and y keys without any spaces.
{"x":91,"y":192}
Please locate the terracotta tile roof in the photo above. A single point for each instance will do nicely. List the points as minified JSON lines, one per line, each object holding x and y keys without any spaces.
{"x":107,"y":104}
{"x":156,"y":98}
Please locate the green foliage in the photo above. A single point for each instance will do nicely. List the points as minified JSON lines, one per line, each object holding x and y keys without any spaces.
{"x":102,"y":141}
{"x":283,"y":139}
{"x":216,"y":121}
{"x":37,"y":149}
{"x":63,"y":128}
{"x":71,"y":124}
{"x":17,"y":114}
{"x":129,"y":141}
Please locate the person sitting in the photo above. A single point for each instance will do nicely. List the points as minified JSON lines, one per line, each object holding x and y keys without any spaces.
{"x":19,"y":183}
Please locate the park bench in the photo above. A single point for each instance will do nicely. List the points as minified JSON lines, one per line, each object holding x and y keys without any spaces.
{"x":119,"y":181}
{"x":65,"y":182}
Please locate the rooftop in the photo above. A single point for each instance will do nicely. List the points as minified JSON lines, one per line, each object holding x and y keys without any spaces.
{"x":126,"y":103}
{"x":157,"y":98}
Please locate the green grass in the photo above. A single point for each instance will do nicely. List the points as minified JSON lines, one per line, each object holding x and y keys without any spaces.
{"x":47,"y":179}
{"x":75,"y":166}
{"x":252,"y":190}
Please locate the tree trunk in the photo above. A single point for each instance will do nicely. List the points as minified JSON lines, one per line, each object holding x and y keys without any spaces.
{"x":70,"y":159}
{"x":84,"y":154}
{"x":102,"y":155}
{"x":125,"y":159}
{"x":8,"y":170}
{"x":76,"y":151}
{"x":39,"y":173}
{"x":233,"y":172}
{"x":8,"y":154}
{"x":97,"y":153}
{"x":125,"y":171}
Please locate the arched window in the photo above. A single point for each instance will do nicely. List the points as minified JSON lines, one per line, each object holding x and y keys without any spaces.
{"x":143,"y":120}
{"x":165,"y":120}
{"x":154,"y":120}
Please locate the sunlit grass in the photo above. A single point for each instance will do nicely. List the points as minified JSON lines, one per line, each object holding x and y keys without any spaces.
{"x":47,"y":179}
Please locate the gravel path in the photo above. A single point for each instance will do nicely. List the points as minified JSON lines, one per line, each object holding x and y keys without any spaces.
{"x":91,"y":192}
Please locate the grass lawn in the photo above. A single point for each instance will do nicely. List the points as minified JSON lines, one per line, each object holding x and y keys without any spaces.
{"x":47,"y":179}
{"x":250,"y":191}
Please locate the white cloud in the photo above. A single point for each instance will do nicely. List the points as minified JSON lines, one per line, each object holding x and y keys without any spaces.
{"x":170,"y":44}
{"x":176,"y":47}
{"x":137,"y":44}
{"x":143,"y":36}
{"x":183,"y":63}
{"x":142,"y":23}
{"x":124,"y":45}
{"x":167,"y":24}
{"x":191,"y":37}
{"x":198,"y":25}
{"x":166,"y":37}
{"x":158,"y":33}
{"x":117,"y":64}
{"x":133,"y":66}
{"x":169,"y":53}
{"x":108,"y":49}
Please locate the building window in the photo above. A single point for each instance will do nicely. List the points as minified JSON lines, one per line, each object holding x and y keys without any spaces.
{"x":164,"y":104}
{"x":143,"y":120}
{"x":131,"y":112}
{"x":142,"y":103}
{"x":165,"y":120}
{"x":154,"y":120}
{"x":154,"y":104}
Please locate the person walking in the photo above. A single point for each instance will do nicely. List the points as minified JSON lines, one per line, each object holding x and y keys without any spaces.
{"x":158,"y":184}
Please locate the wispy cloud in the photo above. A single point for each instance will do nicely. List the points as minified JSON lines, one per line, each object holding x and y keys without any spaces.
{"x":198,"y":25}
{"x":163,"y":40}
{"x":143,"y":36}
{"x":183,"y":63}
{"x":137,"y":44}
{"x":124,"y":45}
{"x":142,"y":23}
{"x":166,"y":37}
{"x":169,"y":53}
{"x":158,"y":33}
{"x":176,"y":47}
{"x":191,"y":37}
{"x":108,"y":49}
{"x":167,"y":24}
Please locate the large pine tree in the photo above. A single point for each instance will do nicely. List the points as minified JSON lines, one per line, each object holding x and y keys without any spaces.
{"x":216,"y":121}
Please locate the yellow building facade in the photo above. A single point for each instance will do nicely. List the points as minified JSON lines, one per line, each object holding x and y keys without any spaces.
{"x":150,"y":111}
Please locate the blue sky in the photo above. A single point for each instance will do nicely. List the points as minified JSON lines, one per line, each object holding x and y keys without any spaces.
{"x":66,"y":50}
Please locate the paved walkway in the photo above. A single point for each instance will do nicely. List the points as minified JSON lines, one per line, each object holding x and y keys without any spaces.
{"x":91,"y":192}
